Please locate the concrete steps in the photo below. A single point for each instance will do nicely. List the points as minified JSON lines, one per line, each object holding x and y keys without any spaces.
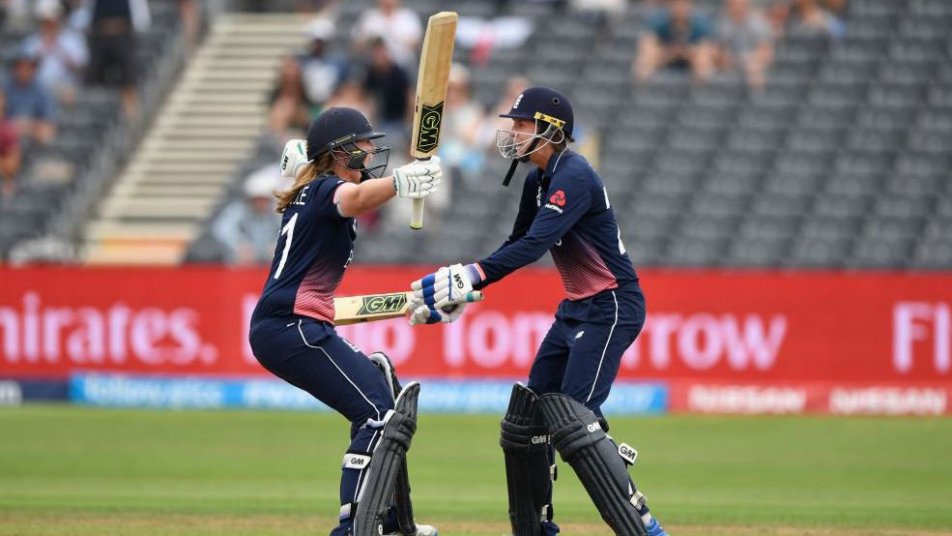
{"x":206,"y":127}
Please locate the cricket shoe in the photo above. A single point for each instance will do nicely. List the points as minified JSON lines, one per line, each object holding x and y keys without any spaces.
{"x":421,"y":530}
{"x":654,"y":528}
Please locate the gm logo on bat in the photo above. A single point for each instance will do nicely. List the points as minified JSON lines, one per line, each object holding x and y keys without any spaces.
{"x":429,"y":135}
{"x":383,"y":303}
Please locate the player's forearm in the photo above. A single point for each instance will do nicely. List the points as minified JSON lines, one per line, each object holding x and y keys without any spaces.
{"x":365,"y":197}
{"x":510,"y":258}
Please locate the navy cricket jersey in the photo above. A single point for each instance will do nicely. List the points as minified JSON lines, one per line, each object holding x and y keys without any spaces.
{"x":314,"y":248}
{"x":565,"y":210}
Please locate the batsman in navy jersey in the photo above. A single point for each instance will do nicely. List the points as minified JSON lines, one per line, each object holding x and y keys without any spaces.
{"x":292,"y":328}
{"x":564,"y":210}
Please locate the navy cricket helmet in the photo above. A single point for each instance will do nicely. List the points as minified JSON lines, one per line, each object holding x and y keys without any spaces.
{"x":544,"y":104}
{"x":338,"y":129}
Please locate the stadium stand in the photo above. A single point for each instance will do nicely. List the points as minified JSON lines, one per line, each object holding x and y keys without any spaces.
{"x":840,"y":161}
{"x":59,"y":183}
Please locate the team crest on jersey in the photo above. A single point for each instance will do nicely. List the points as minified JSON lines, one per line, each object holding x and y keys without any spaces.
{"x":556,"y":201}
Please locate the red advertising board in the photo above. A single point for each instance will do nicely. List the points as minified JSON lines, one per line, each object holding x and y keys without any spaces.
{"x":703,"y":326}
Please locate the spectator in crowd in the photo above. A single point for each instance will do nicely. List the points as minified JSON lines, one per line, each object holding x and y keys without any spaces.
{"x":31,"y":108}
{"x":61,"y":51}
{"x":389,"y":86}
{"x":15,"y":13}
{"x":679,"y":38}
{"x":9,"y":154}
{"x":191,"y":13}
{"x":462,"y":148}
{"x":321,"y":70}
{"x":113,"y":25}
{"x":248,"y":228}
{"x":746,"y":42}
{"x":398,"y":26}
{"x":809,"y":18}
{"x":290,"y":108}
{"x":350,"y":94}
{"x":78,"y":14}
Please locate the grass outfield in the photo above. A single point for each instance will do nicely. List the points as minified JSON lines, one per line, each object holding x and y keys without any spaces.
{"x":75,"y":471}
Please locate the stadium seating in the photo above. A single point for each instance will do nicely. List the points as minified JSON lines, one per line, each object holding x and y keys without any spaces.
{"x":842,"y":161}
{"x":59,"y":184}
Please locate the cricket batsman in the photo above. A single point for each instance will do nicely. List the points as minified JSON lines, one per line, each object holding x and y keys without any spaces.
{"x":565,"y":209}
{"x":292,"y":328}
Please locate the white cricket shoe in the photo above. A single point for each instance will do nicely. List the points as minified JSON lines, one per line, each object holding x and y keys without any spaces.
{"x":421,"y":530}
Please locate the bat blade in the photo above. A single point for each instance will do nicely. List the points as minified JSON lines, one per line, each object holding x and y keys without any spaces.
{"x":384,"y":306}
{"x":436,"y":57}
{"x":357,"y":309}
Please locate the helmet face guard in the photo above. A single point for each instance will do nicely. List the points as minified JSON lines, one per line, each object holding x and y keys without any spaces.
{"x":511,"y":148}
{"x":351,"y":156}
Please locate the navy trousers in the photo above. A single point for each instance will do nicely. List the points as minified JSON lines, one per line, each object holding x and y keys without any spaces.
{"x":582,"y":351}
{"x":311,"y":356}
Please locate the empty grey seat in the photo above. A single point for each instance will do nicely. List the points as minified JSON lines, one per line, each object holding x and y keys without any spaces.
{"x":933,"y":254}
{"x":775,"y":205}
{"x":733,"y":185}
{"x":695,"y":252}
{"x":902,"y":207}
{"x":880,"y":253}
{"x":704,"y":227}
{"x":756,"y":253}
{"x":816,"y":253}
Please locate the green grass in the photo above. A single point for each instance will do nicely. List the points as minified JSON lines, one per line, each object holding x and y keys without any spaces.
{"x":75,"y":471}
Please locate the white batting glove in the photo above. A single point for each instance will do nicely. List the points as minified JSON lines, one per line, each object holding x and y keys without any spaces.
{"x":424,"y":314}
{"x":418,"y":179}
{"x":293,"y":158}
{"x":447,"y":286}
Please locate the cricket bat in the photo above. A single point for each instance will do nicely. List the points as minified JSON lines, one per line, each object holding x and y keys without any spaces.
{"x":372,"y":307}
{"x":435,"y":60}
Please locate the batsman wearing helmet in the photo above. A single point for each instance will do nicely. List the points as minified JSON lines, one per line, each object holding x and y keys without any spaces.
{"x":292,"y":328}
{"x":565,"y":210}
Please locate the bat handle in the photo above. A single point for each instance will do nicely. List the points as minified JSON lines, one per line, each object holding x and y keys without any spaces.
{"x":416,"y":221}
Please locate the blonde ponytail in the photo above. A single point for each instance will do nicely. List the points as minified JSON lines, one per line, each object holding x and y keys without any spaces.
{"x":313,"y":170}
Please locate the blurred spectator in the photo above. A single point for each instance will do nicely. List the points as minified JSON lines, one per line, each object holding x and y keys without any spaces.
{"x":398,"y":26}
{"x":462,"y":148}
{"x":112,"y":44}
{"x":78,"y":14}
{"x":808,"y":18}
{"x":61,"y":51}
{"x":191,"y":13}
{"x":351,"y":95}
{"x":31,"y":108}
{"x":389,"y":85}
{"x":746,"y":41}
{"x":15,"y":14}
{"x":9,"y":154}
{"x":290,"y":108}
{"x":679,"y":39}
{"x":599,"y":12}
{"x":322,"y":71}
{"x":248,"y":228}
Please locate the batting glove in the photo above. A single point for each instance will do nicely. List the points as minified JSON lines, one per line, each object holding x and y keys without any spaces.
{"x":418,"y":179}
{"x":424,"y":314}
{"x":294,"y":158}
{"x":447,"y":286}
